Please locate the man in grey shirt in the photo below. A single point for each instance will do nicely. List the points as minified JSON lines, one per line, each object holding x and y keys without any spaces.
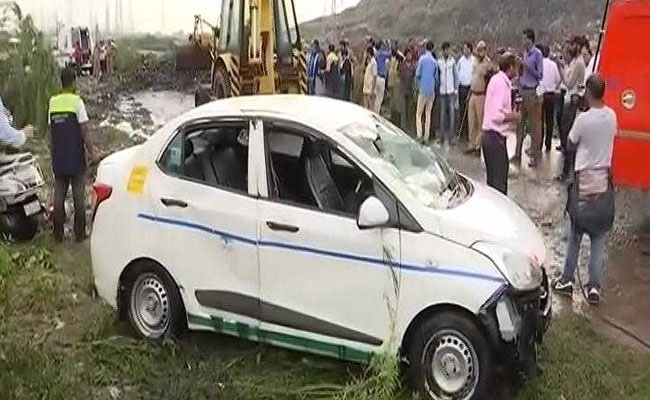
{"x":9,"y":135}
{"x":592,"y":135}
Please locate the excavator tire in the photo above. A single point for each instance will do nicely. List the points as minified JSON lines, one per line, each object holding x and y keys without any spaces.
{"x":221,"y":83}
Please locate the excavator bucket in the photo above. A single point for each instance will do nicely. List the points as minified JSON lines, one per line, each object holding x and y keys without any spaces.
{"x":193,"y":58}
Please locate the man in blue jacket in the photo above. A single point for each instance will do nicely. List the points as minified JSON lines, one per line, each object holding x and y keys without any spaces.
{"x":382,"y":56}
{"x":426,"y":77}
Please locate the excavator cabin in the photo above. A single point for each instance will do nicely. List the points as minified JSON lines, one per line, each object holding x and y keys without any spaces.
{"x":255,"y":50}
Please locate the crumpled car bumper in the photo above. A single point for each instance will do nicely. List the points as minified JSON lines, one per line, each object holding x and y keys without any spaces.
{"x":515,"y":323}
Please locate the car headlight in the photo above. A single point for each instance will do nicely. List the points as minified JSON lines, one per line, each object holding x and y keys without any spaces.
{"x":522,"y":271}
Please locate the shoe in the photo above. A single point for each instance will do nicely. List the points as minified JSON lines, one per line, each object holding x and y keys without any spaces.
{"x":548,"y":150}
{"x":561,"y":178}
{"x":532,"y":164}
{"x":515,"y":160}
{"x":563,"y":288}
{"x":593,"y":296}
{"x":560,"y":149}
{"x":470,"y":151}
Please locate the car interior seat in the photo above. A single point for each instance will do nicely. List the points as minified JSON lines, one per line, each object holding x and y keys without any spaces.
{"x":192,"y":164}
{"x":228,"y":161}
{"x":319,"y":178}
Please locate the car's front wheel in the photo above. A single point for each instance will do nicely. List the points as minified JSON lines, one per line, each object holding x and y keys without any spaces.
{"x":449,"y":358}
{"x":154,"y":305}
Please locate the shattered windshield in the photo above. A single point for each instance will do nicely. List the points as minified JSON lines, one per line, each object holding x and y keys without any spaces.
{"x":422,"y":169}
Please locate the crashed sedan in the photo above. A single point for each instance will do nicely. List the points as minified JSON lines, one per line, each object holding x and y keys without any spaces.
{"x":316,"y":225}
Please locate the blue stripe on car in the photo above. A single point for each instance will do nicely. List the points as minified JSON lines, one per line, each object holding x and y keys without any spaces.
{"x":312,"y":250}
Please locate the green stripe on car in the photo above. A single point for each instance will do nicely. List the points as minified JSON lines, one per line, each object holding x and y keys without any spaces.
{"x":248,"y":332}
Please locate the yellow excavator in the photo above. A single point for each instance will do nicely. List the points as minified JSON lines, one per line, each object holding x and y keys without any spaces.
{"x":256,"y":49}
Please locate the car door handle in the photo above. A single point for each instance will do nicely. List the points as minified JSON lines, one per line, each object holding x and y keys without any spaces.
{"x":274,"y":226}
{"x":173,"y":203}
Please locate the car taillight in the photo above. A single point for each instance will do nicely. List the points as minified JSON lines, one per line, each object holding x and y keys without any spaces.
{"x":101,"y":193}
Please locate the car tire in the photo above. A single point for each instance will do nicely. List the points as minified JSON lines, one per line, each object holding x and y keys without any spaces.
{"x":449,"y":358}
{"x":153,"y":302}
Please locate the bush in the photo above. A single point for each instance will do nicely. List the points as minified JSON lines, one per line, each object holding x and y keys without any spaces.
{"x":28,"y":71}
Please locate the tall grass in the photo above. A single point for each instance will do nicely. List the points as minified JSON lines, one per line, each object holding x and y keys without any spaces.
{"x":28,"y":70}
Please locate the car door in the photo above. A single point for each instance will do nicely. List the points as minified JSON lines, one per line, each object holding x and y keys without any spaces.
{"x":204,"y":191}
{"x":327,"y":286}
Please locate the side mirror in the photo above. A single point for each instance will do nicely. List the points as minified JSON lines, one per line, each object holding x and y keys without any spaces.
{"x":372,"y":214}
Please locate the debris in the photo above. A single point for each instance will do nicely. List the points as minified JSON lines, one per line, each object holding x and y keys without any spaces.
{"x":114,"y":392}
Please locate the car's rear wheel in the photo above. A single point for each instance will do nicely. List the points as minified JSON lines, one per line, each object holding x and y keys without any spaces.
{"x":155,"y":308}
{"x":449,"y":359}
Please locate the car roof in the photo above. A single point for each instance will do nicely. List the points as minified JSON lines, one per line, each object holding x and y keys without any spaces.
{"x":324,"y":112}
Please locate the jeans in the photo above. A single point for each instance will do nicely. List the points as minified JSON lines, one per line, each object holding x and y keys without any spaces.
{"x":495,"y":154}
{"x":447,"y":117}
{"x":61,"y":185}
{"x":596,"y":257}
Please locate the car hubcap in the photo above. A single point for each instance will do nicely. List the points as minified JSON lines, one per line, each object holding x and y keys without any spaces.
{"x":453,"y":366}
{"x":150,"y":306}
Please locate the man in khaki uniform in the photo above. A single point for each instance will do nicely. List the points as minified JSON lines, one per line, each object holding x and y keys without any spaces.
{"x":476,"y":104}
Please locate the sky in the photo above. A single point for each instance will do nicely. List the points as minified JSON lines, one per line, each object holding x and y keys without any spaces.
{"x":151,"y":15}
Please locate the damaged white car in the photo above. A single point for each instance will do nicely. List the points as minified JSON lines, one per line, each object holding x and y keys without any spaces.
{"x":316,"y":225}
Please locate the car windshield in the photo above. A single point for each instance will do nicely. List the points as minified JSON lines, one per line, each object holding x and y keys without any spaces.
{"x":422,"y":169}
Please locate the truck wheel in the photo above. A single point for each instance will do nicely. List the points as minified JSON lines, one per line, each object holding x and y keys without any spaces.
{"x":154,"y":305}
{"x":221,"y":83}
{"x":449,"y":358}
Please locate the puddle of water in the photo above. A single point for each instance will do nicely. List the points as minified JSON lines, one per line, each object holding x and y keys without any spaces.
{"x":164,"y":105}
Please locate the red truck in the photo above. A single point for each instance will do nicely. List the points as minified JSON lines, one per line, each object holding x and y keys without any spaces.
{"x":625,"y":65}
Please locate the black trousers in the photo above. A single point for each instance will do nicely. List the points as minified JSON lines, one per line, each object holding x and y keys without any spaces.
{"x":559,"y":109}
{"x":568,"y":118}
{"x":463,"y":122}
{"x":548,"y":120}
{"x":495,"y":153}
{"x":61,"y":186}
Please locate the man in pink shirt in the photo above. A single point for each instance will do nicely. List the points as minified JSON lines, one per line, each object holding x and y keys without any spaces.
{"x":498,"y":118}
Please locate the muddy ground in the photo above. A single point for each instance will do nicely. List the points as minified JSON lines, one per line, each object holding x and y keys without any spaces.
{"x":124,"y":115}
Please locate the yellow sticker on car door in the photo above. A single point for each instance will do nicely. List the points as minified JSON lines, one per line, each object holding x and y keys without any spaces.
{"x":137,"y":179}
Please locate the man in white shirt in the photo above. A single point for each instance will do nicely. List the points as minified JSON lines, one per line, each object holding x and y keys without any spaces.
{"x":592,"y":135}
{"x":465,"y":69}
{"x":549,"y":87}
{"x":8,"y":134}
{"x":448,"y":85}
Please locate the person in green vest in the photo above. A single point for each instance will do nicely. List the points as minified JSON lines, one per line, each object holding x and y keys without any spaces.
{"x":70,"y":145}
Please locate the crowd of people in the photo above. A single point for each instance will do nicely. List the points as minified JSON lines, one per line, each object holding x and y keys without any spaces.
{"x":102,"y":57}
{"x":465,"y":96}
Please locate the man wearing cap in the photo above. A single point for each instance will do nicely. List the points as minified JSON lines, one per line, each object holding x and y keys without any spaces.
{"x":476,"y":104}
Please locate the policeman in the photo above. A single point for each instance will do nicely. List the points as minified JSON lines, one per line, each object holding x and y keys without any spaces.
{"x":70,"y":142}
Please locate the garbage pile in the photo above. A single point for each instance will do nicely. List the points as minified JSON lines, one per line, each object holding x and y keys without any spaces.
{"x":158,"y":72}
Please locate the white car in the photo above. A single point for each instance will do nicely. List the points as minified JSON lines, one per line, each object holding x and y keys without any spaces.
{"x":317,"y":225}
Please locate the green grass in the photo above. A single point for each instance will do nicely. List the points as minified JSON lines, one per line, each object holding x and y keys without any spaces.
{"x":58,"y":342}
